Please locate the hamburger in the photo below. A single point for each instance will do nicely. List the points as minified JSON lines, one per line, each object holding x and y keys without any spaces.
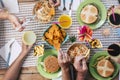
{"x":89,"y":14}
{"x":51,"y":64}
{"x":105,"y":68}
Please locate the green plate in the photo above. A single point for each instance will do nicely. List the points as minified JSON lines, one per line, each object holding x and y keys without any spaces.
{"x":93,"y":71}
{"x":40,"y":67}
{"x":102,"y":13}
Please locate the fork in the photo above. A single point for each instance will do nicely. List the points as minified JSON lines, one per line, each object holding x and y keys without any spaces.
{"x":64,"y":8}
{"x":9,"y":54}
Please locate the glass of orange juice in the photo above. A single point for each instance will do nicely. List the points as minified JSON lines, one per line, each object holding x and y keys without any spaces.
{"x":65,"y":21}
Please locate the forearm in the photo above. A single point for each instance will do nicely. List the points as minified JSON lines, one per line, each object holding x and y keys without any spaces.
{"x":4,"y":14}
{"x":66,"y":74}
{"x":14,"y":70}
{"x":80,"y":76}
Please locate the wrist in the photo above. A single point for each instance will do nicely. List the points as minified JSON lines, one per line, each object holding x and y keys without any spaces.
{"x":80,"y":76}
{"x":65,"y":69}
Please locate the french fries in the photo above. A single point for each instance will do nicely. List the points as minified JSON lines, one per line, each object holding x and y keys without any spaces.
{"x":39,"y":50}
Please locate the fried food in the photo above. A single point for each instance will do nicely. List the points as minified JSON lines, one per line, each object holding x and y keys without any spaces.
{"x":44,"y":11}
{"x":89,"y":14}
{"x":51,"y":64}
{"x":96,"y":43}
{"x":55,"y":36}
{"x":105,"y":68}
{"x":39,"y":50}
{"x":78,"y":49}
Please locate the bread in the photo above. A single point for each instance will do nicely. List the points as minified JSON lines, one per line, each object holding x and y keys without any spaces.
{"x":51,"y":64}
{"x":89,"y":14}
{"x":105,"y":68}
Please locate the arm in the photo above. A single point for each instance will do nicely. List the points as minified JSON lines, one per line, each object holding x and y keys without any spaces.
{"x":64,"y":62}
{"x":5,"y":15}
{"x":81,"y":67}
{"x":14,"y":70}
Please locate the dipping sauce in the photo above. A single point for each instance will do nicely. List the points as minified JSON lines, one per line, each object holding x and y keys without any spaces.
{"x":116,"y":50}
{"x":117,"y":21}
{"x":65,"y":21}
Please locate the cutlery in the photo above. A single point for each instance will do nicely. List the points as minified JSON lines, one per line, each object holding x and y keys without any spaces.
{"x":70,"y":5}
{"x":26,"y":22}
{"x":119,"y":1}
{"x":64,"y":8}
{"x":9,"y":52}
{"x":3,"y":6}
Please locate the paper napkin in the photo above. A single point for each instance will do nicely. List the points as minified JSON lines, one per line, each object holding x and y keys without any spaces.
{"x":118,"y":31}
{"x":15,"y":51}
{"x":11,"y":5}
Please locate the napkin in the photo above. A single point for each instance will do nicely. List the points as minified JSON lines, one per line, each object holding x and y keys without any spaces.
{"x":15,"y":51}
{"x":60,"y":78}
{"x":118,"y":31}
{"x":74,"y":7}
{"x":11,"y":5}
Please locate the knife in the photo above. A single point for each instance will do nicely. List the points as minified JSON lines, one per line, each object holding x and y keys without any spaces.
{"x":70,"y":5}
{"x":3,"y":6}
{"x":9,"y":52}
{"x":119,"y":1}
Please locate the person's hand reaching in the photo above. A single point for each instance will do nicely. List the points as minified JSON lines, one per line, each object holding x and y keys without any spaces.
{"x":80,"y":66}
{"x":63,"y":60}
{"x":56,"y":3}
{"x":25,"y":49}
{"x":16,"y":22}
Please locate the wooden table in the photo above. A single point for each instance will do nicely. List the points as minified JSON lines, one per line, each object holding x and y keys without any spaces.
{"x":31,"y":73}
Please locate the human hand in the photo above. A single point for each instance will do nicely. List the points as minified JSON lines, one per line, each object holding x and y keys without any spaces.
{"x":80,"y":66}
{"x":56,"y":3}
{"x":25,"y":49}
{"x":63,"y":60}
{"x":16,"y":22}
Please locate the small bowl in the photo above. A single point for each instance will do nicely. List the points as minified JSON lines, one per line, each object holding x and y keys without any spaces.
{"x":65,"y":39}
{"x":29,"y":38}
{"x":73,"y":46}
{"x":109,"y":13}
{"x":64,"y":19}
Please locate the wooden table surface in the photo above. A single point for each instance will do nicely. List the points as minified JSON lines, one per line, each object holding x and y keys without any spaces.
{"x":31,"y":73}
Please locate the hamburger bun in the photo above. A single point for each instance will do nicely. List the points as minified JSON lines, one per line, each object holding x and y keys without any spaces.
{"x":105,"y":68}
{"x":51,"y":64}
{"x":89,"y":14}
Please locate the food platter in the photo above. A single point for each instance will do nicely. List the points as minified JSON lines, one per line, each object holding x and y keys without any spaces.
{"x":102,"y":13}
{"x":48,"y":52}
{"x":43,"y":11}
{"x":93,"y":70}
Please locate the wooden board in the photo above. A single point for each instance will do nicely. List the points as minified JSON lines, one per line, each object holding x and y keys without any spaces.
{"x":31,"y":73}
{"x":27,"y":73}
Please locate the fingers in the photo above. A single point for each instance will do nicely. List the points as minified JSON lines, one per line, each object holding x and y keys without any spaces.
{"x":63,"y":57}
{"x":84,"y":65}
{"x":58,"y":3}
{"x":60,"y":57}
